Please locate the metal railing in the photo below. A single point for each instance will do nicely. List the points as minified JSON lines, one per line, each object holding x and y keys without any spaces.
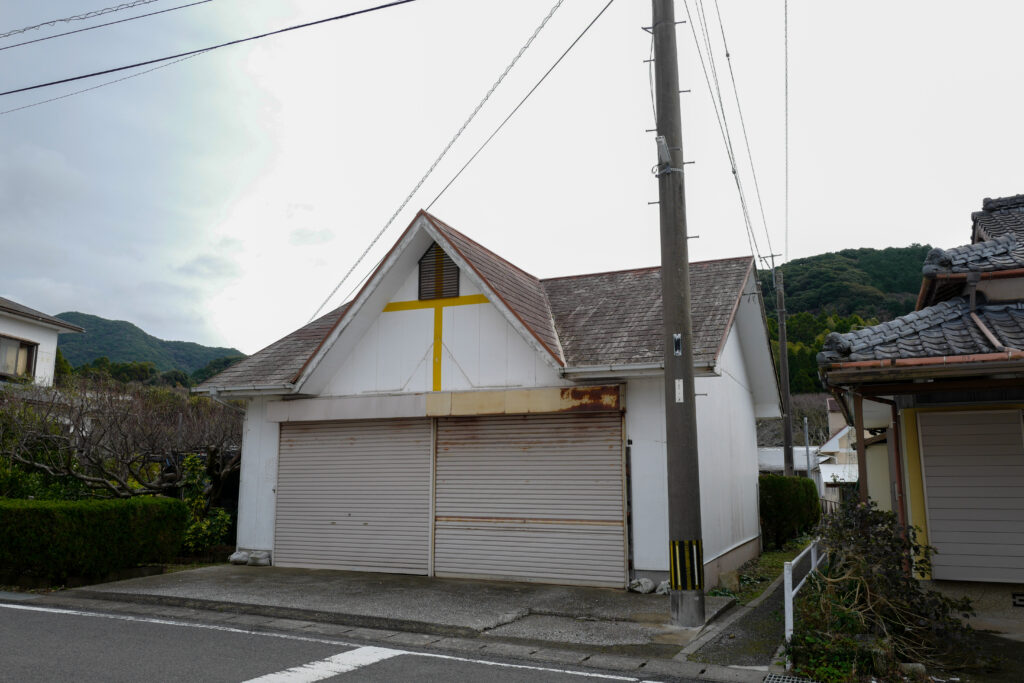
{"x":787,"y":582}
{"x":828,"y":507}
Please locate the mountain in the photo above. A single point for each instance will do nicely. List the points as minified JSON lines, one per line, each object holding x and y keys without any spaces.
{"x":871,"y":283}
{"x":123,"y":342}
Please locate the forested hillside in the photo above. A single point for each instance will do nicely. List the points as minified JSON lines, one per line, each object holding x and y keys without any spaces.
{"x":838,"y":292}
{"x":122,"y":342}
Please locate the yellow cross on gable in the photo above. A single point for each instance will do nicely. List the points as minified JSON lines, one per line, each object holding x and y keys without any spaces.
{"x":438,"y":305}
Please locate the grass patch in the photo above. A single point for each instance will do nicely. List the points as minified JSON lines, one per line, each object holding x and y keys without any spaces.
{"x":757,"y":574}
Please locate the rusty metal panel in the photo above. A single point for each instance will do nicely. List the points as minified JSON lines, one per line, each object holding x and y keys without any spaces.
{"x":531,"y":497}
{"x":355,"y":495}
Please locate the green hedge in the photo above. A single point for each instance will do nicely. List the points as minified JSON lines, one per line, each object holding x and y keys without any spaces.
{"x":88,"y":538}
{"x":789,"y":507}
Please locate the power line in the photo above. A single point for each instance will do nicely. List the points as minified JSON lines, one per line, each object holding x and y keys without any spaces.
{"x":213,"y":47}
{"x":710,"y":74}
{"x":109,"y":23}
{"x":96,"y":87}
{"x":521,"y":103}
{"x":430,"y":170}
{"x":77,"y":17}
{"x":743,"y":125}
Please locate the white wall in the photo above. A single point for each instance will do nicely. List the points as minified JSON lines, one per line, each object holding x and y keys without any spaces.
{"x":257,"y":495}
{"x":481,"y":350}
{"x":46,"y":337}
{"x":727,"y":446}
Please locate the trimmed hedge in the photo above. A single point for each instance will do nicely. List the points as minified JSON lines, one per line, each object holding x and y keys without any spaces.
{"x":87,"y":538}
{"x":789,"y":507}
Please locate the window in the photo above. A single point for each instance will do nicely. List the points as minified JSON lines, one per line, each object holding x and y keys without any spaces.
{"x":439,"y":276}
{"x":17,"y":357}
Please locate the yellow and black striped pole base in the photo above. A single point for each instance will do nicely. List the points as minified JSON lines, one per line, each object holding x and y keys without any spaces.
{"x":686,"y":565}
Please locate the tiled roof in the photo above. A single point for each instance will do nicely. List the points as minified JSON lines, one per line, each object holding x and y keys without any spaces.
{"x":944,"y":329}
{"x":280,"y":362}
{"x":998,"y":217}
{"x":1001,"y":253}
{"x":583,"y":320}
{"x":521,"y":292}
{"x":616,"y":318}
{"x":14,"y":308}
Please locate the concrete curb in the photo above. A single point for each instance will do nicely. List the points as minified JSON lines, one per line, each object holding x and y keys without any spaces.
{"x":360,"y":620}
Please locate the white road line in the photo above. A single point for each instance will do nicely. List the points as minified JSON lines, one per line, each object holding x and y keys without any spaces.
{"x":307,"y":639}
{"x":332,"y":666}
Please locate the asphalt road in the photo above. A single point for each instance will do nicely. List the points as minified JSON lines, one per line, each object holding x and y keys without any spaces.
{"x":45,"y":644}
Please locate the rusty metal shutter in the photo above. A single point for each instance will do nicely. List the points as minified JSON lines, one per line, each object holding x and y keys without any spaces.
{"x":354,"y":495}
{"x":531,"y":498}
{"x":974,"y":479}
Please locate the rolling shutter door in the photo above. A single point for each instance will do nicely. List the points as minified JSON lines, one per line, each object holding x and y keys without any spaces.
{"x":531,"y":498}
{"x":974,"y":481}
{"x":354,"y":495}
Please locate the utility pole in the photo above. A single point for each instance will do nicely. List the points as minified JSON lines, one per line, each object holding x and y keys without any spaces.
{"x":787,"y":413}
{"x":686,"y":548}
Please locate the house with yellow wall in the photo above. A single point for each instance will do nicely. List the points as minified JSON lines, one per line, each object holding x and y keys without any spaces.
{"x":943,"y":388}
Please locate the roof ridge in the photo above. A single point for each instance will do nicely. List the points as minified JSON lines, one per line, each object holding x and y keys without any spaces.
{"x":440,"y":223}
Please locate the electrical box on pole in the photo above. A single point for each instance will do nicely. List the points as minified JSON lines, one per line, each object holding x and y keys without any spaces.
{"x":686,"y":548}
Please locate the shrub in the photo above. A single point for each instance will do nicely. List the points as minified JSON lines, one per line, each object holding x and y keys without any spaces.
{"x":207,"y":526}
{"x":864,"y":611}
{"x":789,"y":507}
{"x":90,"y":538}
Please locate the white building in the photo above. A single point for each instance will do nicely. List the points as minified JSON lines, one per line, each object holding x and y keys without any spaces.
{"x":460,"y":417}
{"x":28,"y":342}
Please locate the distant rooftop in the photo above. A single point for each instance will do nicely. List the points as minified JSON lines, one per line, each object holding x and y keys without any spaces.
{"x":18,"y":310}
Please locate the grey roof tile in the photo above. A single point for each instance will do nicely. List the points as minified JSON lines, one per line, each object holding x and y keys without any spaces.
{"x":1005,"y":252}
{"x":944,"y":329}
{"x":280,"y":362}
{"x":616,"y":318}
{"x":998,"y":217}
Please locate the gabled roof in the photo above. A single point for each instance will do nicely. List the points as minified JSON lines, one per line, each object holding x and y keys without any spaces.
{"x":616,"y":318}
{"x":521,"y":292}
{"x":280,"y":363}
{"x":15,"y":309}
{"x":945,"y":329}
{"x":583,"y":320}
{"x":998,"y":217}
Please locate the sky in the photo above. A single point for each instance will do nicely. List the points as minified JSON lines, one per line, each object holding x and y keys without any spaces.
{"x":221,"y":199}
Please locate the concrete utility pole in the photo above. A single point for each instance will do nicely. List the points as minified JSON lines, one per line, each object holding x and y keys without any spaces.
{"x":686,"y":548}
{"x":787,"y":413}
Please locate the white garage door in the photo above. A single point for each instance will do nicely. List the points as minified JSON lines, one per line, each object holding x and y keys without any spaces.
{"x":974,"y":482}
{"x":354,"y":495}
{"x":531,"y":497}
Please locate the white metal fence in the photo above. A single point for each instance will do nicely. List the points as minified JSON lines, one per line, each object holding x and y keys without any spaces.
{"x":790,"y":590}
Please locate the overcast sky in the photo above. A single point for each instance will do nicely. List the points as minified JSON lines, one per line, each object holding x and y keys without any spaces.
{"x":219,"y":200}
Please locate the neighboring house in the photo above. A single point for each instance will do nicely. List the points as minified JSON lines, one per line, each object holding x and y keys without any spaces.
{"x":945,"y":385}
{"x":28,"y":342}
{"x":460,"y":417}
{"x":772,"y":460}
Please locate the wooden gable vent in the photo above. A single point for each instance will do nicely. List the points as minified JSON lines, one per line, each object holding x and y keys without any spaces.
{"x":439,"y":276}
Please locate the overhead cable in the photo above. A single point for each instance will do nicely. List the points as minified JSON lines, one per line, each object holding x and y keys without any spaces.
{"x":743,"y":125}
{"x":521,"y":103}
{"x":441,"y":156}
{"x":109,"y":23}
{"x":711,"y":78}
{"x":96,"y":87}
{"x":347,"y":15}
{"x":77,"y":17}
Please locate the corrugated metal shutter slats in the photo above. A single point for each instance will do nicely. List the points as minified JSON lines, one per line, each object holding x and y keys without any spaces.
{"x":354,"y":495}
{"x":504,"y":473}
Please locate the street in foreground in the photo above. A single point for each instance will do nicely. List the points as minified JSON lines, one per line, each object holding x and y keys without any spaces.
{"x":48,"y":644}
